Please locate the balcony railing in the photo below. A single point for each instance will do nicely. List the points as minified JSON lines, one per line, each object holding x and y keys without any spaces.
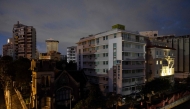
{"x":133,"y":40}
{"x":133,"y":66}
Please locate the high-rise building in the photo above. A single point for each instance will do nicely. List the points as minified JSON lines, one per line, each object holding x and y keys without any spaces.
{"x":24,"y":41}
{"x":8,"y":48}
{"x":113,"y":59}
{"x":71,"y":54}
{"x":52,"y":45}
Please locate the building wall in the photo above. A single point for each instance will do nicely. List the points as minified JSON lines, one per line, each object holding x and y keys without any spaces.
{"x":52,"y":55}
{"x":71,"y":54}
{"x":133,"y":63}
{"x":8,"y":50}
{"x":24,"y":41}
{"x":102,"y":67}
{"x":181,"y":44}
{"x":118,"y":74}
{"x":157,"y":63}
{"x":52,"y":45}
{"x":150,"y":34}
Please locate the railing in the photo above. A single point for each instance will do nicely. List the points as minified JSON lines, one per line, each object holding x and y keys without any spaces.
{"x":21,"y":99}
{"x":133,"y":66}
{"x":176,"y":103}
{"x":134,"y":40}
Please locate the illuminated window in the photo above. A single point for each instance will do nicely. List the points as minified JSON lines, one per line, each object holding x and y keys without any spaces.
{"x":160,"y":62}
{"x":157,"y":62}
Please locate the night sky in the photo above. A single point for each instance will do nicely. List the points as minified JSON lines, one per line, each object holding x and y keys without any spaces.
{"x":69,"y":20}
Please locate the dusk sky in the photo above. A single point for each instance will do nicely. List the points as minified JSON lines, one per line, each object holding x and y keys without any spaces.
{"x":69,"y":20}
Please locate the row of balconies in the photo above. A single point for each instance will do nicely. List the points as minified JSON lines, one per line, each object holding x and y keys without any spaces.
{"x":133,"y":40}
{"x":89,"y":52}
{"x":163,"y":56}
{"x":132,"y":83}
{"x":131,"y":57}
{"x":88,"y":45}
{"x":133,"y":66}
{"x":133,"y":74}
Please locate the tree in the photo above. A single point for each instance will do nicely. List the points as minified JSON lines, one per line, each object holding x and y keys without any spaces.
{"x":7,"y":58}
{"x":129,"y":100}
{"x":94,"y":100}
{"x":81,"y":105}
{"x":5,"y":61}
{"x":113,"y":99}
{"x":158,"y":85}
{"x":22,"y":69}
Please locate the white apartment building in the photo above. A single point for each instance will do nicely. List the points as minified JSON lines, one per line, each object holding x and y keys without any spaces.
{"x":71,"y":54}
{"x":113,"y":59}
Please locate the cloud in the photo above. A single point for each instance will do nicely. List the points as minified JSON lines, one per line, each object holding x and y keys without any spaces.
{"x":69,"y":20}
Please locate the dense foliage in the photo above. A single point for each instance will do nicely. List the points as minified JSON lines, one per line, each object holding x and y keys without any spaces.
{"x":157,"y":85}
{"x":94,"y":100}
{"x":18,"y":70}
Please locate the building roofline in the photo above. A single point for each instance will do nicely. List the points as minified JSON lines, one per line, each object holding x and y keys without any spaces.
{"x":154,"y":46}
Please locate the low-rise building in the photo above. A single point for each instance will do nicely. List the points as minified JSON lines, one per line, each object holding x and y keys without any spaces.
{"x":160,"y":61}
{"x":55,"y":89}
{"x":52,"y":55}
{"x":182,"y":54}
{"x":42,"y":84}
{"x":70,"y":87}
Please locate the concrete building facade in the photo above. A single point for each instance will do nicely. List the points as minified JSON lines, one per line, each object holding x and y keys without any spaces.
{"x":113,"y":59}
{"x":71,"y":54}
{"x":52,"y":45}
{"x":182,"y":60}
{"x":8,"y":48}
{"x":52,"y":55}
{"x":160,"y":60}
{"x":24,"y":41}
{"x":42,"y":84}
{"x":150,"y":34}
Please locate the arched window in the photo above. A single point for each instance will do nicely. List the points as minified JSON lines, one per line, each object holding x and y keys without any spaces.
{"x":63,"y":94}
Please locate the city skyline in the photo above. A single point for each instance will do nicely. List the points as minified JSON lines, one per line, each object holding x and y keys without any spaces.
{"x":68,"y":21}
